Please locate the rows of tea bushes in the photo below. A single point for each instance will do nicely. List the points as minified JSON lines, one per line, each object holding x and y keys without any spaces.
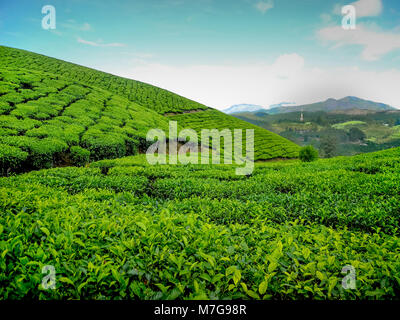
{"x":49,"y":106}
{"x":45,"y":122}
{"x":149,"y":96}
{"x":267,"y":145}
{"x":123,"y":229}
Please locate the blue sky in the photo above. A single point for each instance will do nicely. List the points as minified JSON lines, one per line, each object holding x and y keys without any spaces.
{"x":223,"y":52}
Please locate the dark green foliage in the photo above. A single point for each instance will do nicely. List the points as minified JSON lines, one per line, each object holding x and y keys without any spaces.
{"x":356,"y":134}
{"x":328,"y":146}
{"x":308,"y":154}
{"x":79,"y":156}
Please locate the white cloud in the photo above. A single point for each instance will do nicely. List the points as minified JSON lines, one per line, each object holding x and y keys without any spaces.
{"x":286,"y":79}
{"x":264,"y":6}
{"x":375,"y":43}
{"x":100,"y":43}
{"x":73,"y":25}
{"x":364,"y":8}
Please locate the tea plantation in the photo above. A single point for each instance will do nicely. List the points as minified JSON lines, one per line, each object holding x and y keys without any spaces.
{"x":43,"y":118}
{"x":115,"y":227}
{"x":54,"y":113}
{"x":122,"y":229}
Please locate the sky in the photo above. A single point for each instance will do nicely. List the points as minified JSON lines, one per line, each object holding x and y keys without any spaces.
{"x":223,"y":53}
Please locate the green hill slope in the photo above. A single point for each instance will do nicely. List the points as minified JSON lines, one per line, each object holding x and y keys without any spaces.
{"x":56,"y":113}
{"x":47,"y":121}
{"x":149,"y":96}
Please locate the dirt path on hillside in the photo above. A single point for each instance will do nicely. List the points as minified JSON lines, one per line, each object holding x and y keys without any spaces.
{"x":169,"y":114}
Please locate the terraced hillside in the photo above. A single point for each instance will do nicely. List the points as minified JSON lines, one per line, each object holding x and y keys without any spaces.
{"x":54,"y":113}
{"x":122,"y":229}
{"x":46,"y":121}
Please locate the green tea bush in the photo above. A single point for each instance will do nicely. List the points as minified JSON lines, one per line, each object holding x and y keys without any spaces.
{"x":5,"y":107}
{"x":12,"y":98}
{"x":103,"y":145}
{"x":7,"y":87}
{"x":11,"y":157}
{"x":45,"y":152}
{"x":308,"y":154}
{"x":79,"y":156}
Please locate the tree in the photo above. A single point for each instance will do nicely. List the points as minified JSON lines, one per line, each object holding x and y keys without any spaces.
{"x":328,"y":146}
{"x":356,"y":134}
{"x":321,"y":120}
{"x":308,"y":154}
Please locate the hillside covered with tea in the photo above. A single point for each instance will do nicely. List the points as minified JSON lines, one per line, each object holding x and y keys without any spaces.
{"x":55,"y":113}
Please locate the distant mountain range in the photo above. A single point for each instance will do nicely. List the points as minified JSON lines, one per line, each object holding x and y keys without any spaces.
{"x":239,"y":108}
{"x":282,"y":104}
{"x":349,"y":105}
{"x":345,"y":105}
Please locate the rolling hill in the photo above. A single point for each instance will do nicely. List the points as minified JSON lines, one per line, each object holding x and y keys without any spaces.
{"x":55,"y":113}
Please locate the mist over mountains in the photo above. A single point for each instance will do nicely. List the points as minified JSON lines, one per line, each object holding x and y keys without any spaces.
{"x":347,"y":105}
{"x":238,"y":108}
